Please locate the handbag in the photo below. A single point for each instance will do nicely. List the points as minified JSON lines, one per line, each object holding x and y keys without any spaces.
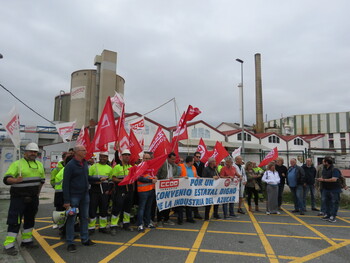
{"x":256,"y":186}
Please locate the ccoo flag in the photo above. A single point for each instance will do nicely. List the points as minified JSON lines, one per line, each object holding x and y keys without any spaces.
{"x":271,"y":156}
{"x":11,"y":125}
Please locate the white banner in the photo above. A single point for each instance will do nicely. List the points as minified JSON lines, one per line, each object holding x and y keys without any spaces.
{"x":196,"y":192}
{"x":138,"y":127}
{"x":236,"y":152}
{"x":117,"y":103}
{"x":11,"y":125}
{"x":66,"y":130}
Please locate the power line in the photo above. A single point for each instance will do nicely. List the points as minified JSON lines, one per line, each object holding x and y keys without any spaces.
{"x":37,"y":113}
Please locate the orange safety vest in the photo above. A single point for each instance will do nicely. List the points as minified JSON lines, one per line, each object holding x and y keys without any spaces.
{"x":144,"y":187}
{"x":184,"y":172}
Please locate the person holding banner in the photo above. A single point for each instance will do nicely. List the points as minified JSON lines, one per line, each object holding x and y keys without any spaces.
{"x":211,"y":172}
{"x":187,"y":170}
{"x":26,"y":177}
{"x":123,"y":195}
{"x":229,"y":171}
{"x":169,"y":170}
{"x":272,"y":179}
{"x":99,"y":193}
{"x":146,"y":194}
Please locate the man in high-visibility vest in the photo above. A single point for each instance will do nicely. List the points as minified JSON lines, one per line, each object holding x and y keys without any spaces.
{"x":26,"y":177}
{"x":146,"y":194}
{"x":123,"y":195}
{"x":187,"y":170}
{"x":99,"y":194}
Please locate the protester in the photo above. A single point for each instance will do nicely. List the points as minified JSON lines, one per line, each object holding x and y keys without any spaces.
{"x":318,"y":186}
{"x":187,"y":171}
{"x":146,"y":194}
{"x":199,"y":168}
{"x":252,"y":186}
{"x":99,"y":196}
{"x":58,"y":168}
{"x":295,"y":181}
{"x":222,"y":164}
{"x":169,"y":170}
{"x":260,"y":171}
{"x":229,"y":171}
{"x":76,"y":195}
{"x":282,"y":172}
{"x":240,"y":169}
{"x":211,"y":172}
{"x":26,"y":177}
{"x":331,"y":190}
{"x":272,"y":179}
{"x":123,"y":195}
{"x":310,"y":175}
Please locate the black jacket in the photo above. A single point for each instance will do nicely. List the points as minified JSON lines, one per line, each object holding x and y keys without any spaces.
{"x":199,"y":168}
{"x":282,"y":169}
{"x":310,"y":174}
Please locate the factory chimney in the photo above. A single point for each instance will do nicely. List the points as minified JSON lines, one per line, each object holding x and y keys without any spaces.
{"x":258,"y":95}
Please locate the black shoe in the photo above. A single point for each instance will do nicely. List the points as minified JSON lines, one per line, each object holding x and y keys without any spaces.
{"x":190,"y":221}
{"x":12,"y":251}
{"x":302,"y":213}
{"x":240,"y":210}
{"x":88,"y":243}
{"x":180,"y":222}
{"x":295,"y":211}
{"x":114,"y":231}
{"x":315,"y":209}
{"x":91,"y":231}
{"x":72,"y":248}
{"x":29,"y":244}
{"x":198,"y":216}
{"x":104,"y":230}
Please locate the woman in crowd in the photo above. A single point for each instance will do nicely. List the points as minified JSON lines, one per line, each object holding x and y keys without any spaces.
{"x":252,"y":186}
{"x":272,"y":179}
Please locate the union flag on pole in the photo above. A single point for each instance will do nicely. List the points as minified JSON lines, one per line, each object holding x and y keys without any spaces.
{"x":118,"y":103}
{"x":66,"y":130}
{"x":271,"y":156}
{"x":135,"y":147}
{"x":160,"y":144}
{"x":106,"y":131}
{"x":12,"y":126}
{"x":219,"y":153}
{"x":83,"y":138}
{"x":123,"y":140}
{"x":202,"y":148}
{"x":236,"y":152}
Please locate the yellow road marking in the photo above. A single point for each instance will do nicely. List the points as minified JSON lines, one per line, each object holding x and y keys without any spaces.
{"x":43,"y":221}
{"x":233,"y":253}
{"x":280,"y":223}
{"x":311,"y":228}
{"x":330,"y":226}
{"x":48,"y":237}
{"x":162,"y":247}
{"x":123,"y":247}
{"x":57,"y":245}
{"x":45,"y":227}
{"x":236,"y":221}
{"x":343,"y":219}
{"x":316,"y":238}
{"x":108,"y":242}
{"x":267,"y":246}
{"x":43,"y":218}
{"x":178,"y":229}
{"x":321,"y":252}
{"x":232,"y":233}
{"x":48,"y":249}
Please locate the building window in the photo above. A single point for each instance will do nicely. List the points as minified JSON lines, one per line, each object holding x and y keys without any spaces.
{"x":330,"y":136}
{"x":331,"y":143}
{"x":342,"y":135}
{"x":274,"y":139}
{"x":343,"y":146}
{"x":247,"y":137}
{"x":200,"y":133}
{"x":298,"y":141}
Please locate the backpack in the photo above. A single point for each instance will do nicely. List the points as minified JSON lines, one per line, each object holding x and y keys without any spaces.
{"x":341,"y":179}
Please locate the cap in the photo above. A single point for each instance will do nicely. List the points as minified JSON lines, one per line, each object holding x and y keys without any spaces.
{"x":126,"y":151}
{"x":32,"y":146}
{"x":104,"y":153}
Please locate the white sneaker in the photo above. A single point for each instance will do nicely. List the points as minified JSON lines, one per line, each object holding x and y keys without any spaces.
{"x":140,"y":229}
{"x":169,"y":223}
{"x":54,"y":226}
{"x":267,"y":212}
{"x":278,"y":213}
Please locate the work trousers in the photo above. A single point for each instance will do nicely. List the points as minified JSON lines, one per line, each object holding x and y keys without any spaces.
{"x":122,"y":203}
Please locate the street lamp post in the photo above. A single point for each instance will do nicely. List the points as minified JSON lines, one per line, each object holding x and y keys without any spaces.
{"x":241,"y":105}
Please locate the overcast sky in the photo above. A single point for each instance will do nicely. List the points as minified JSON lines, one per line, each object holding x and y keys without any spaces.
{"x":182,"y":49}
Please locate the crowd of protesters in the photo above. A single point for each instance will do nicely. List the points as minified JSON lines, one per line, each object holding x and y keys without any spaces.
{"x":93,"y":191}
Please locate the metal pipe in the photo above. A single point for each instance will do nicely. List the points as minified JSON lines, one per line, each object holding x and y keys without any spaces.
{"x":241,"y":108}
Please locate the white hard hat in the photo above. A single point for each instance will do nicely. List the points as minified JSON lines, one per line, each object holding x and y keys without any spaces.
{"x":32,"y":146}
{"x":104,"y":153}
{"x":59,"y":217}
{"x":126,"y":151}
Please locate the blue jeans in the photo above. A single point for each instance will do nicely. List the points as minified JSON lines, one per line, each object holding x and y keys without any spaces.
{"x":311,"y":189}
{"x":323,"y":205}
{"x":331,"y":201}
{"x":145,"y":207}
{"x":280,"y":193}
{"x":81,"y":202}
{"x":297,"y":193}
{"x":231,"y":209}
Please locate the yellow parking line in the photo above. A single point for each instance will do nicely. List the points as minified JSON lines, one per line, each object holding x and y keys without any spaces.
{"x":232,"y":233}
{"x":267,"y":246}
{"x":311,"y":228}
{"x":43,"y":218}
{"x":280,"y":223}
{"x":321,"y":252}
{"x":330,"y":226}
{"x":177,"y":229}
{"x":123,"y":247}
{"x":197,"y":243}
{"x":301,"y":237}
{"x":288,"y":257}
{"x":45,"y":227}
{"x":108,"y":242}
{"x":57,"y":245}
{"x":343,"y":219}
{"x":162,"y":247}
{"x":48,"y":249}
{"x":236,"y":221}
{"x":233,"y":253}
{"x":49,"y":237}
{"x":43,"y":221}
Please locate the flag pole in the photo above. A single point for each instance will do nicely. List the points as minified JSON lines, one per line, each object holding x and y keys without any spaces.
{"x":19,"y":161}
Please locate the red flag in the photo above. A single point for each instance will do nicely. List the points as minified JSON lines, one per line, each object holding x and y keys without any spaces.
{"x":121,"y":123}
{"x":219,"y":153}
{"x":271,"y":156}
{"x":83,"y":138}
{"x":202,"y":148}
{"x":106,"y":131}
{"x":150,"y":167}
{"x":135,"y":147}
{"x":160,"y":144}
{"x":123,"y":140}
{"x":191,"y":113}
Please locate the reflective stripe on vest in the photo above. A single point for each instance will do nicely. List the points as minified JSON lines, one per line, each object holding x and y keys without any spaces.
{"x":144,"y":187}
